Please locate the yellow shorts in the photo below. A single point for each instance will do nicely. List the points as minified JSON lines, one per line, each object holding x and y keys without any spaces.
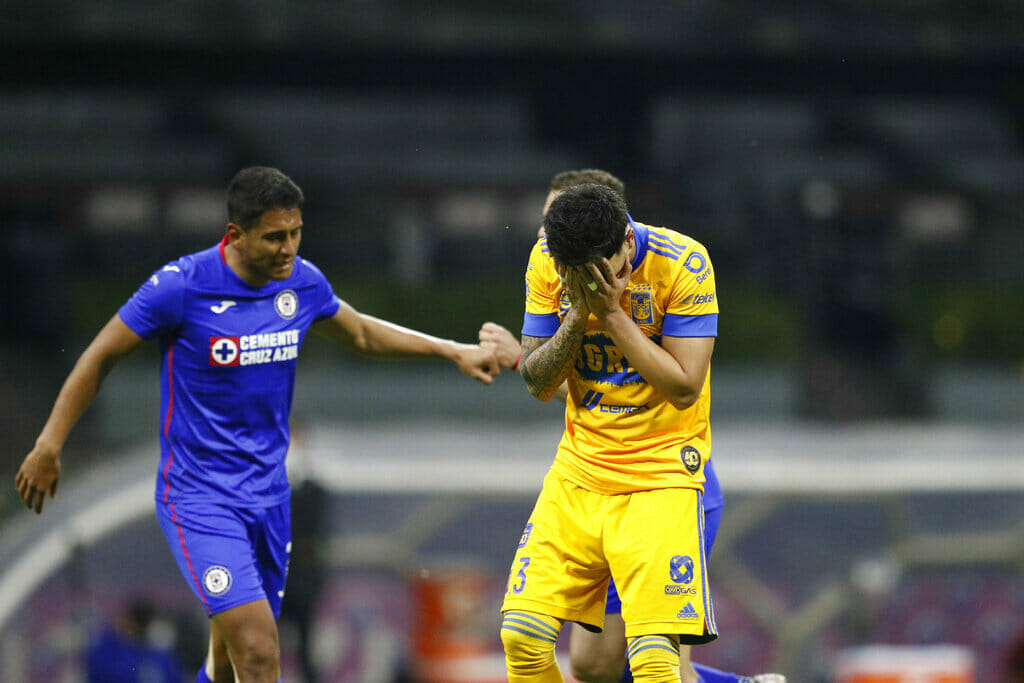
{"x":652,"y":542}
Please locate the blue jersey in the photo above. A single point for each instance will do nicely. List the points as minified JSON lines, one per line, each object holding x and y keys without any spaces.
{"x":227,"y":374}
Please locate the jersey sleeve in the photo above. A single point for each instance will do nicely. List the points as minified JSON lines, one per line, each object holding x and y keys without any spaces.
{"x":542,"y":294}
{"x":326,"y":301}
{"x":693,"y":308}
{"x":157,"y":307}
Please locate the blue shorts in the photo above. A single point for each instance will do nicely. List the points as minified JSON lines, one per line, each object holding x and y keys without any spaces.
{"x":230,"y":556}
{"x":713,"y":504}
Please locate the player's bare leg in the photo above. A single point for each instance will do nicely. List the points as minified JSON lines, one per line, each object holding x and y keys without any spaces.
{"x":686,"y":672}
{"x":218,"y":664}
{"x":599,"y":657}
{"x":248,"y":634}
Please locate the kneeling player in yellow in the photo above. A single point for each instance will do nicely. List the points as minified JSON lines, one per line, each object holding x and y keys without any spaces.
{"x":626,"y":314}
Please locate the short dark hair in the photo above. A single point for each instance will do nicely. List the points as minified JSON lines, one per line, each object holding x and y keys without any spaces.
{"x":566,"y":179}
{"x":255,"y":189}
{"x":585,"y":223}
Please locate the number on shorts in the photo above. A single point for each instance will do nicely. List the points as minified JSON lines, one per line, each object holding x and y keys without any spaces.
{"x":522,"y":575}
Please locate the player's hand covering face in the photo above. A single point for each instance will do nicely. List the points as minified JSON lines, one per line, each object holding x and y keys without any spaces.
{"x":574,"y":282}
{"x":607,"y":279}
{"x":597,"y":287}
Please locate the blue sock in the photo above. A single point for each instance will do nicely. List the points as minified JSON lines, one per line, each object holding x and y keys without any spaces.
{"x":706,"y":673}
{"x":709,"y":675}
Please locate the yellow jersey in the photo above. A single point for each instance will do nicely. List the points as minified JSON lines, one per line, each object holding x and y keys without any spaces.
{"x":621,"y":435}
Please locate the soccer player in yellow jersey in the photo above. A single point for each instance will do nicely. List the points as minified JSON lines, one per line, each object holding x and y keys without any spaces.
{"x":626,"y":313}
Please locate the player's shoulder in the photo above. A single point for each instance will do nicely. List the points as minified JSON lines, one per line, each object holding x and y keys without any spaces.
{"x":540,"y":248}
{"x":307,"y":272}
{"x":540,"y":255}
{"x":672,"y":241}
{"x":180,"y":271}
{"x":199,"y":269}
{"x":166,"y":288}
{"x":541,"y":268}
{"x":675,"y":248}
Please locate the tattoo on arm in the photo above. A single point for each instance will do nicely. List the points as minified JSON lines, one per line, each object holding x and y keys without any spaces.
{"x":547,"y":362}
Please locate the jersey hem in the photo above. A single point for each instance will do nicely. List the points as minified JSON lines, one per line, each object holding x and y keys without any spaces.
{"x":561,"y":472}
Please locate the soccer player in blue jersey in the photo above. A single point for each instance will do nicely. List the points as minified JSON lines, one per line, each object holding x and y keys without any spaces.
{"x":230,"y":321}
{"x":600,"y":657}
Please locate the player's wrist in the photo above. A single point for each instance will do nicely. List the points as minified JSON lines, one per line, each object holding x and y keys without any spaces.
{"x":610,"y":314}
{"x":47,"y":448}
{"x":453,"y":350}
{"x":576,"y":317}
{"x":460,"y":353}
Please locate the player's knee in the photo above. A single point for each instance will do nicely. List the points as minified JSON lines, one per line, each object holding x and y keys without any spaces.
{"x":597,"y":664}
{"x":529,"y":641}
{"x":255,"y":652}
{"x":654,"y":658}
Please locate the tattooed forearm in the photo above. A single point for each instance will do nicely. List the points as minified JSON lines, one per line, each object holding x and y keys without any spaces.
{"x":547,"y":362}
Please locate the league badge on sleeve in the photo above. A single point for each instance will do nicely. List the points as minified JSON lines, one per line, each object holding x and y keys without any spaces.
{"x":286,"y":303}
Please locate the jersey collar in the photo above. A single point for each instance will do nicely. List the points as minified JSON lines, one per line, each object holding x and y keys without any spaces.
{"x":640,"y":239}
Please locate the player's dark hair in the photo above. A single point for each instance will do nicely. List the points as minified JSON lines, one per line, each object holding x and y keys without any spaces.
{"x":585,"y":223}
{"x":255,"y":189}
{"x":566,"y":179}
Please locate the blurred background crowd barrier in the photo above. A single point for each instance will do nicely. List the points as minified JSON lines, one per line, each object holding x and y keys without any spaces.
{"x":856,"y":169}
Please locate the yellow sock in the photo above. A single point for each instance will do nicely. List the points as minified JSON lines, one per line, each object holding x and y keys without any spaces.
{"x":529,"y":640}
{"x":653,"y":658}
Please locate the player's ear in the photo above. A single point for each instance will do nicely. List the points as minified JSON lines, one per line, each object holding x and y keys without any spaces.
{"x":234,"y":232}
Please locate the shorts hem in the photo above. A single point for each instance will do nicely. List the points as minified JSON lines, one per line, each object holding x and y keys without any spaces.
{"x":556,"y":611}
{"x":231,"y":605}
{"x":261,"y":503}
{"x":687,"y":635}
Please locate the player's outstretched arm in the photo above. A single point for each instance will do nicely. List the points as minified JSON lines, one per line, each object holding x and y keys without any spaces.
{"x":40,"y":471}
{"x":371,"y":336}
